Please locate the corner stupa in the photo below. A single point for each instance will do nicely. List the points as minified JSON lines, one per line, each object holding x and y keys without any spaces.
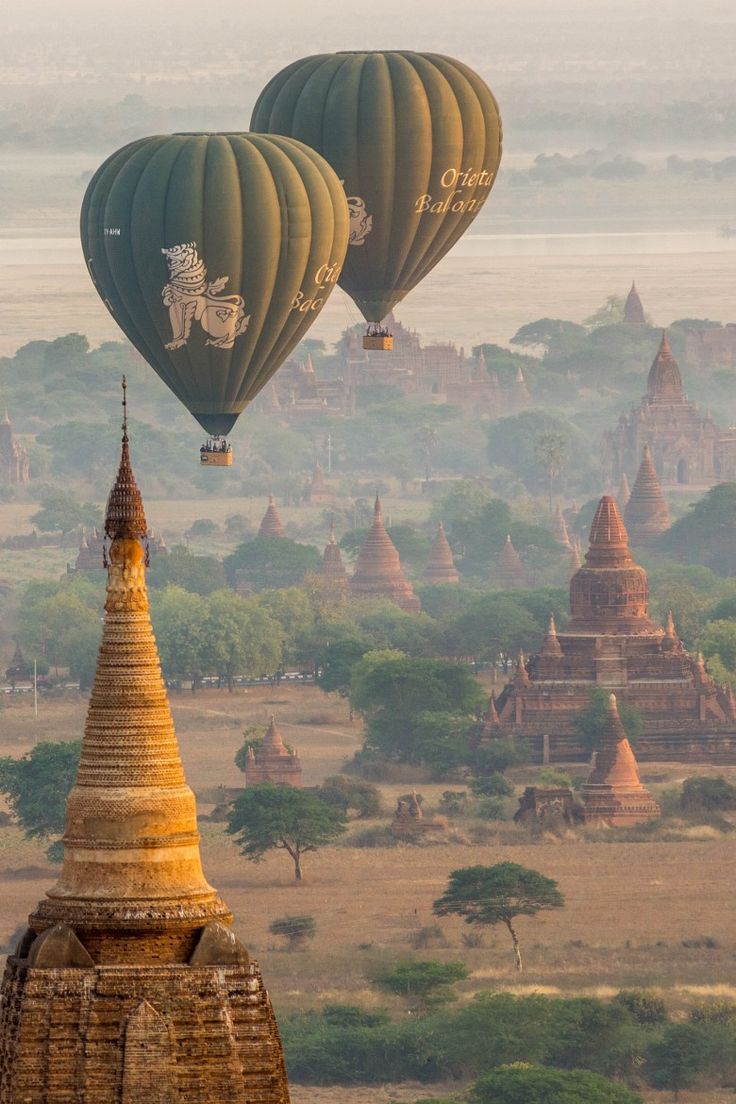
{"x":613,"y":793}
{"x":646,"y":513}
{"x":441,"y":565}
{"x":129,"y":984}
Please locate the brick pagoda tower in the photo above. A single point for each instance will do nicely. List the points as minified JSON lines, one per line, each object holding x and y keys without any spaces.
{"x":129,"y":985}
{"x":441,"y":565}
{"x":14,"y":462}
{"x":634,"y":309}
{"x":332,"y":569}
{"x":559,"y":529}
{"x":611,"y":643}
{"x":271,"y":525}
{"x":273,"y":761}
{"x":378,"y":572}
{"x":613,"y":793}
{"x":646,"y":513}
{"x":509,"y":572}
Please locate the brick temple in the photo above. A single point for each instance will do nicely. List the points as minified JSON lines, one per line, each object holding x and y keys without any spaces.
{"x":273,"y":761}
{"x":646,"y":514}
{"x":440,"y":565}
{"x":613,"y":793}
{"x":332,"y":569}
{"x":271,"y":525}
{"x":378,"y":571}
{"x":611,"y":642}
{"x":129,"y":985}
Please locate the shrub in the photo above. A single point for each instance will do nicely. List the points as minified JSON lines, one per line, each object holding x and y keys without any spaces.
{"x":491,"y":808}
{"x":644,"y":1007}
{"x":714,"y":1012}
{"x":498,"y":755}
{"x":524,"y":1084}
{"x":687,"y":1051}
{"x":453,"y":801}
{"x":378,"y":836}
{"x":425,"y":982}
{"x":351,"y":795}
{"x":701,"y":794}
{"x":492,"y":785}
{"x":551,"y":777}
{"x":430,"y":935}
{"x":296,"y":930}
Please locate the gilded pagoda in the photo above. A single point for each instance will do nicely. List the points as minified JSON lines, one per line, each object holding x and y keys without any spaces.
{"x":129,"y":985}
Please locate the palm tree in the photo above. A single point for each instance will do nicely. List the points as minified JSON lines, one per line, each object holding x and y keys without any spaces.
{"x":550,"y":452}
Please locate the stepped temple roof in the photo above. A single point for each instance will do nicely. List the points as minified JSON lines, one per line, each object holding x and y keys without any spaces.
{"x":646,"y":512}
{"x":634,"y":309}
{"x":665,"y":382}
{"x":129,"y":965}
{"x":613,"y":793}
{"x":509,"y":572}
{"x":610,"y":642}
{"x":441,"y":565}
{"x":271,"y":525}
{"x":378,"y":572}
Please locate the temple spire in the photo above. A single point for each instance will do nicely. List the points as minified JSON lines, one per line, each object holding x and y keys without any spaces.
{"x":664,"y":384}
{"x":131,"y":845}
{"x":613,"y":793}
{"x":378,"y":571}
{"x":551,"y":646}
{"x":332,"y":569}
{"x":509,"y":572}
{"x":559,"y":528}
{"x":271,"y":526}
{"x":634,"y":309}
{"x":646,"y":513}
{"x":440,"y":566}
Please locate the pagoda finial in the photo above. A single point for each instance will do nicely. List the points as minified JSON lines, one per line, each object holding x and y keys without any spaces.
{"x":551,"y":646}
{"x":124,"y":515}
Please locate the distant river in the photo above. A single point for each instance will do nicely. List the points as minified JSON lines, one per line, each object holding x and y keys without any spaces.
{"x":66,"y":251}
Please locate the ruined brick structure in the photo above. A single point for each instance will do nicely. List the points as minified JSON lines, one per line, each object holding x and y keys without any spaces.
{"x":332,"y":569}
{"x":613,"y":793}
{"x":14,"y":463}
{"x":378,"y":572}
{"x":687,"y":446}
{"x":317,"y":490}
{"x":610,"y":642}
{"x":129,"y":986}
{"x":441,"y":565}
{"x":273,"y":761}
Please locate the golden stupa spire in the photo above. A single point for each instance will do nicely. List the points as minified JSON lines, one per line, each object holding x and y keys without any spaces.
{"x":131,"y":845}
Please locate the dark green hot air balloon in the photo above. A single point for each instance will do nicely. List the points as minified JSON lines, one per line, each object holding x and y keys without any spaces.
{"x":214,"y":253}
{"x":416,"y":140}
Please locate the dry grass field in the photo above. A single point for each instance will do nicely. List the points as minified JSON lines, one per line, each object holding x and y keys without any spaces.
{"x":629,"y":905}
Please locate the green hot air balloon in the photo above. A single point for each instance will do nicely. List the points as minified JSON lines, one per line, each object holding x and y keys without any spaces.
{"x":214,"y":253}
{"x":416,"y":140}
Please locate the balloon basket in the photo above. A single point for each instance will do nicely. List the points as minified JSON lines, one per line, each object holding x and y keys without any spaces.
{"x":216,"y":454}
{"x":378,"y":343}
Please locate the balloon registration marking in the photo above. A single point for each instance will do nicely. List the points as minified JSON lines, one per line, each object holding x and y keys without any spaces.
{"x":191,"y":298}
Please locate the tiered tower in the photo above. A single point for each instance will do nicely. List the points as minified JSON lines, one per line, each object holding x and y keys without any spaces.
{"x":509,"y":572}
{"x":271,"y":525}
{"x":559,"y":529}
{"x":378,"y":572}
{"x":273,"y":761}
{"x":441,"y":565}
{"x":129,"y":984}
{"x":332,"y":569}
{"x":613,"y":793}
{"x":634,"y":309}
{"x":611,"y":642}
{"x":646,"y":513}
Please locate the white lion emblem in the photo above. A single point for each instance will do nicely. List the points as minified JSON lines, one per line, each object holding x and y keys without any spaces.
{"x":361,"y":223}
{"x":190,"y":298}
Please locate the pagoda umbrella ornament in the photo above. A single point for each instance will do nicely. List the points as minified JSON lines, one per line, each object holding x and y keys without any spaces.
{"x":215,"y":253}
{"x":416,"y":140}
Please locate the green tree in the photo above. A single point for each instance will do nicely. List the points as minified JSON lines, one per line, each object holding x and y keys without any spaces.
{"x":267,"y":818}
{"x":351,"y":795}
{"x":495,"y":627}
{"x":706,"y":534}
{"x":718,"y":638}
{"x":590,"y":722}
{"x":497,"y":895}
{"x":38,"y":784}
{"x":336,"y":662}
{"x":522,"y":1084}
{"x":293,"y":611}
{"x":549,"y":332}
{"x":296,"y":930}
{"x":268,"y":562}
{"x":394,"y":692}
{"x":240,"y":637}
{"x":550,"y":451}
{"x":197,"y":574}
{"x":683,"y":1052}
{"x":59,"y":627}
{"x":703,"y":794}
{"x":423,"y":982}
{"x":60,"y":510}
{"x":178,"y":621}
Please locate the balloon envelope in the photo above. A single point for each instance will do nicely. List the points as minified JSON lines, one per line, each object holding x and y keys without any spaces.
{"x":416,"y":140}
{"x":214,"y":253}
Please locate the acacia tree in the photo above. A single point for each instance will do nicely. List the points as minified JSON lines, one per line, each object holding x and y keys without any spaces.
{"x":497,"y":895}
{"x":268,"y":817}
